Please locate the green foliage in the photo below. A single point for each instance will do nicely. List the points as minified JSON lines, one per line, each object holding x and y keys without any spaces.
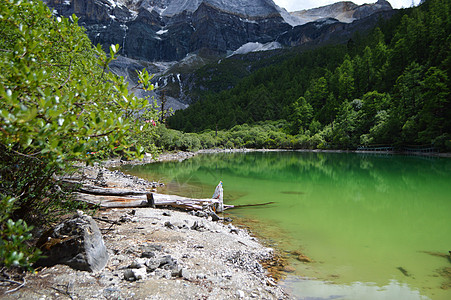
{"x":14,"y":235}
{"x":269,"y":135}
{"x":58,"y":104}
{"x":144,"y":134}
{"x":301,"y":116}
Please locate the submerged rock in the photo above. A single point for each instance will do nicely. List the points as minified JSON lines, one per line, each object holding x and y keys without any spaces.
{"x":304,"y":258}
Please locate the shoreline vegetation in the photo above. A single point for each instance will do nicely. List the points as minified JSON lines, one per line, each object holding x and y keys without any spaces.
{"x":270,"y":135}
{"x":183,"y":155}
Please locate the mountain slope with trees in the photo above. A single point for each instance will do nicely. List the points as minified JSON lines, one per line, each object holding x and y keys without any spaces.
{"x":390,"y":87}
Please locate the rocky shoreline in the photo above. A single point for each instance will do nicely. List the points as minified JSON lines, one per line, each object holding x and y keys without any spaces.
{"x":160,"y":254}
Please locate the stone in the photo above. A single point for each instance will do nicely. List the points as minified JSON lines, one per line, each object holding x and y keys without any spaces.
{"x":135,"y":274}
{"x":76,"y":242}
{"x":112,"y":292}
{"x":168,"y":263}
{"x":199,"y":226}
{"x":151,"y":247}
{"x":185,"y":274}
{"x":201,"y":214}
{"x":214,"y":216}
{"x":152,"y":264}
{"x":304,"y":258}
{"x":148,"y":254}
{"x":180,"y":225}
{"x":233,"y":229}
{"x":161,"y":273}
{"x":289,"y":269}
{"x":138,"y":263}
{"x":169,"y":225}
{"x":240,"y":294}
{"x":100,"y":179}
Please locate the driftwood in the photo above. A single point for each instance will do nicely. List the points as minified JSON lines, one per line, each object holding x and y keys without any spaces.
{"x":113,"y":201}
{"x":122,"y":198}
{"x":156,"y":200}
{"x":94,"y":190}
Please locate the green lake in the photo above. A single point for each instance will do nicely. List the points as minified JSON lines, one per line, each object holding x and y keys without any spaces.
{"x":375,"y":226}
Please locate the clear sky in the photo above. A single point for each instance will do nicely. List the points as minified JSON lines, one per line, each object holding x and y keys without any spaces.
{"x":294,"y":5}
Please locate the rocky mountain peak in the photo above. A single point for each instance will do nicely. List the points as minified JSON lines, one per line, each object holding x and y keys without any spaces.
{"x":345,"y":11}
{"x":168,"y":30}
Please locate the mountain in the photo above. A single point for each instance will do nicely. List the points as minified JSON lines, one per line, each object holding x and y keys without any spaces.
{"x":168,"y":30}
{"x":345,"y":11}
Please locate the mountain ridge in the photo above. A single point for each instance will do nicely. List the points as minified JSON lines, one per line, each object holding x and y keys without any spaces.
{"x":168,"y":30}
{"x":345,"y":11}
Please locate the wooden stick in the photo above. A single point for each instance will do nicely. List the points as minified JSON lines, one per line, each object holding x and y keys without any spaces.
{"x":21,"y":285}
{"x":249,"y":205}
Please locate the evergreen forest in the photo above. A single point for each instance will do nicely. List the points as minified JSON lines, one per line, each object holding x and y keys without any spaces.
{"x":389,"y":87}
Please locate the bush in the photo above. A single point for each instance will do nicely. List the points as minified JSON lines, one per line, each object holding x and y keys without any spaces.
{"x":14,"y":235}
{"x":58,"y":102}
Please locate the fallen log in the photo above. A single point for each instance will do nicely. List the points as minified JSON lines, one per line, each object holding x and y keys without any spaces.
{"x":121,"y":198}
{"x":95,"y":190}
{"x":155,"y":200}
{"x":151,"y":199}
{"x":113,"y":201}
{"x":102,"y":191}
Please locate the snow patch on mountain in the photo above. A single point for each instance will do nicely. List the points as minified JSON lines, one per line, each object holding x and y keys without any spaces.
{"x":256,"y":47}
{"x":160,"y":32}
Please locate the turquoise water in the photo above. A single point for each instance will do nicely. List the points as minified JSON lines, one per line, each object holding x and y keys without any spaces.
{"x":376,"y":227}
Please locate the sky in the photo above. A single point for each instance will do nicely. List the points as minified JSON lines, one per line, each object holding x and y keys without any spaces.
{"x":294,"y":5}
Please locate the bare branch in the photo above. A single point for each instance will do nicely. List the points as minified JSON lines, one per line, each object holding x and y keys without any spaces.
{"x":68,"y":78}
{"x":103,"y":134}
{"x":20,"y":284}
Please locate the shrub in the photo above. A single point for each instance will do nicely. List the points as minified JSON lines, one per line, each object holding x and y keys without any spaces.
{"x":58,"y":102}
{"x":14,"y":235}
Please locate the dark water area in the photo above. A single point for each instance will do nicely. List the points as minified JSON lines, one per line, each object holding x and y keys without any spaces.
{"x":375,"y":226}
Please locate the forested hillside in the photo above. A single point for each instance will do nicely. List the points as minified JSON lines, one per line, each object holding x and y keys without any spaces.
{"x":390,"y":87}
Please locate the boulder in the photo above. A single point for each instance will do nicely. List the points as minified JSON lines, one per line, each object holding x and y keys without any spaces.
{"x":76,"y":242}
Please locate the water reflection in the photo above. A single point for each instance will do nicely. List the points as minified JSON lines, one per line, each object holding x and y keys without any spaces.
{"x":321,"y":290}
{"x":361,"y":218}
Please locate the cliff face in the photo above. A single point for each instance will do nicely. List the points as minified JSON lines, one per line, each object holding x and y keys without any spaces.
{"x":345,"y":12}
{"x":168,"y":30}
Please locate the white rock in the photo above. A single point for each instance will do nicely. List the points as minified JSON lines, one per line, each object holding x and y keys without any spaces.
{"x":138,"y":263}
{"x":135,"y":274}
